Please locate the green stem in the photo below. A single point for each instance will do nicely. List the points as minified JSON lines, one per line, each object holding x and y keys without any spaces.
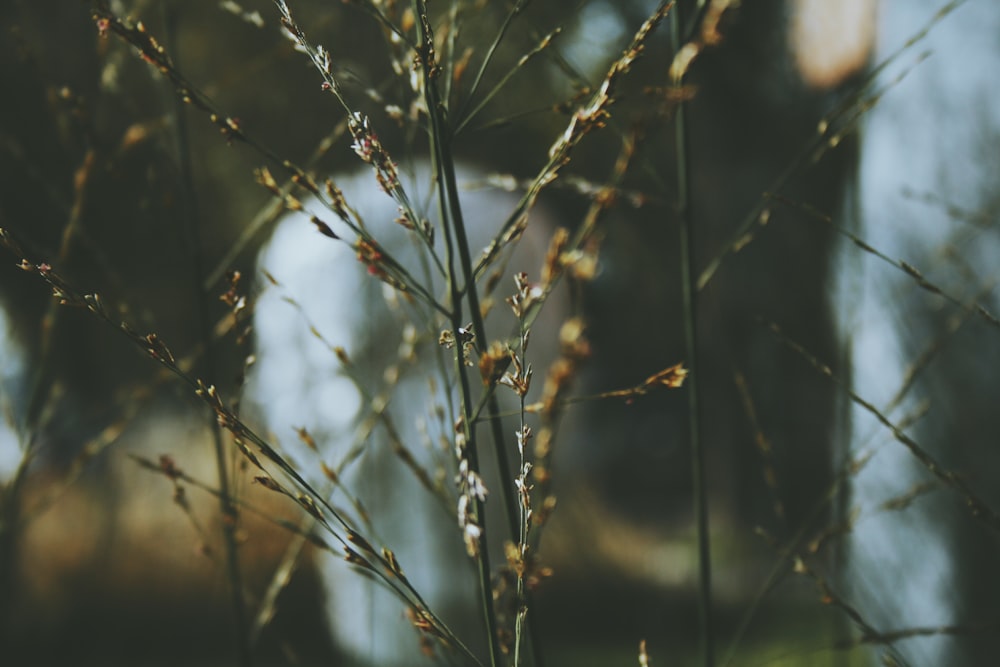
{"x":490,"y":52}
{"x":455,"y":234}
{"x":690,"y":307}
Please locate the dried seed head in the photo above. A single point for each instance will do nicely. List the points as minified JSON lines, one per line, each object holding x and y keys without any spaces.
{"x":557,"y":246}
{"x":354,"y":558}
{"x":471,"y":535}
{"x":169,"y":467}
{"x":524,"y":434}
{"x":330,"y":473}
{"x":526,"y":296}
{"x":323,"y":228}
{"x":369,"y":148}
{"x":310,"y":506}
{"x":571,"y":338}
{"x":355,"y":538}
{"x":494,"y":362}
{"x":306,"y":438}
{"x":265,"y":178}
{"x":267,"y":483}
{"x":389,"y":558}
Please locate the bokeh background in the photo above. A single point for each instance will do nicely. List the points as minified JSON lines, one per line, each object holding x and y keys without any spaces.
{"x":100,"y":565}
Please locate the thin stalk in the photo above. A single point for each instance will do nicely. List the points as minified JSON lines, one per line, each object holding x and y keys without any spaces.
{"x":830,"y":130}
{"x":449,"y":200}
{"x":192,"y":229}
{"x":490,"y":52}
{"x":472,"y":452}
{"x":841,"y":497}
{"x":455,"y":234}
{"x":524,"y":495}
{"x":690,"y":307}
{"x":252,"y":445}
{"x":522,"y":61}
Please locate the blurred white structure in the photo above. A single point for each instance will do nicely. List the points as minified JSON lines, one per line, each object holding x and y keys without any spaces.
{"x":396,"y":363}
{"x":11,"y":379}
{"x":926,"y":188}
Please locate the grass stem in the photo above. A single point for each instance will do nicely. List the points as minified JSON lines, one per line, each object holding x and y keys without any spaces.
{"x":455,"y":234}
{"x":690,"y":309}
